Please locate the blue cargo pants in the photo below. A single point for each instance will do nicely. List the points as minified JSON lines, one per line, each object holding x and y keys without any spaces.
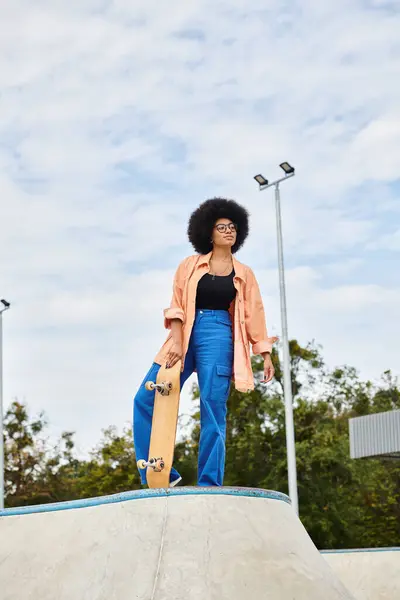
{"x":210,"y":352}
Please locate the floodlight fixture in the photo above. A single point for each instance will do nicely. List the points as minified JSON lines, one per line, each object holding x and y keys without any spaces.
{"x":287,"y":168}
{"x":261,"y":179}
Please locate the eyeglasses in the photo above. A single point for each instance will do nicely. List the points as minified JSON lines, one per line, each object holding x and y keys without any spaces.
{"x":222,"y":227}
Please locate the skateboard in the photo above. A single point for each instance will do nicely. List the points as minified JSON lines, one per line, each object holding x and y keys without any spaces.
{"x":163,"y":428}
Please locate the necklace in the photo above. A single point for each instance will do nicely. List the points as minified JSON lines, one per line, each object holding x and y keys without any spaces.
{"x":223,"y":272}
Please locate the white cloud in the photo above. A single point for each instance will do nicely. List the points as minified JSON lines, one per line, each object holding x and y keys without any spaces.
{"x":118,"y":118}
{"x":389,"y":241}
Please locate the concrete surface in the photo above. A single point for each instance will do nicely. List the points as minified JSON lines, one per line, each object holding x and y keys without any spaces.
{"x":181,"y":543}
{"x":370,"y":574}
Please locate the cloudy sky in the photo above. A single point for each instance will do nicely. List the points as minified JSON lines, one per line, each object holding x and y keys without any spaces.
{"x":117,"y":118}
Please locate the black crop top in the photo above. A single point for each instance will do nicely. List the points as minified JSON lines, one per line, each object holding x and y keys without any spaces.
{"x":215,"y":293}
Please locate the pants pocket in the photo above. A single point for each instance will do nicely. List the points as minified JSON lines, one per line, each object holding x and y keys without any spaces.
{"x":224,"y":371}
{"x":222,"y":320}
{"x":221,"y":383}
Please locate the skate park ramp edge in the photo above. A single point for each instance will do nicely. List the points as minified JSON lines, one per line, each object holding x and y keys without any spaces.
{"x":165,"y":544}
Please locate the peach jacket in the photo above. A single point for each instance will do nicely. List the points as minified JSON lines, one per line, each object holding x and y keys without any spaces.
{"x":246,"y":310}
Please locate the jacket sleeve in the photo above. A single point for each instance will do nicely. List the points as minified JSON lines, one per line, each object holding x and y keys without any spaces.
{"x":175,"y":309}
{"x":255,"y":317}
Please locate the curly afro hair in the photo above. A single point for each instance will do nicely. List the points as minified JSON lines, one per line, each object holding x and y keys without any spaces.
{"x":203,"y":219}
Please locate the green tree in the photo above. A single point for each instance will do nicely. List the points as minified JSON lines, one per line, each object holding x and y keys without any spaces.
{"x":23,"y":453}
{"x":111,"y":468}
{"x":38,"y":472}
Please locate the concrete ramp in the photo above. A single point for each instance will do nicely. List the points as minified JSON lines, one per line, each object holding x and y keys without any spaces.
{"x":370,"y":574}
{"x":176,"y":544}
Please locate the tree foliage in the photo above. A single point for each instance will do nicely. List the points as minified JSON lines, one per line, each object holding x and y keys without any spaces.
{"x":38,"y":472}
{"x":343,"y":503}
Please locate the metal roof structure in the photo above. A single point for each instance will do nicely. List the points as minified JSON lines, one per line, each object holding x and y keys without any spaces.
{"x":376,"y":435}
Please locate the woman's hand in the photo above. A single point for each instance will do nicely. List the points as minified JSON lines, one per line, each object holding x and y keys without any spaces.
{"x":175,"y":354}
{"x":269,"y":370}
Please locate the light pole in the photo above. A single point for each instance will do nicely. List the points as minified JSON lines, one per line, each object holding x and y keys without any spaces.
{"x":4,"y":305}
{"x":287,"y":383}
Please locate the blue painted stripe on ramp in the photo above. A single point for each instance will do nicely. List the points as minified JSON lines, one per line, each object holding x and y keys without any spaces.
{"x":145,"y":494}
{"x":354,"y":550}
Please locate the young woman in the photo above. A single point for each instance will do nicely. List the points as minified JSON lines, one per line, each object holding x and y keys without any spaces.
{"x":215,"y":314}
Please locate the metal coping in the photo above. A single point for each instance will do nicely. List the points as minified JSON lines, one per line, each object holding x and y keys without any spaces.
{"x":359,"y":550}
{"x":145,"y":494}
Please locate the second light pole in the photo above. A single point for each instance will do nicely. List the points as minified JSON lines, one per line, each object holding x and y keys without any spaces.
{"x":4,"y":305}
{"x":287,"y":380}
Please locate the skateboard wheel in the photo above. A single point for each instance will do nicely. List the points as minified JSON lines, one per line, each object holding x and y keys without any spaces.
{"x":149,"y":385}
{"x":141,"y":464}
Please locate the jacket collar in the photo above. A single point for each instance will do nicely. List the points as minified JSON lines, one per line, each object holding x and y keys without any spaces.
{"x":238,"y":266}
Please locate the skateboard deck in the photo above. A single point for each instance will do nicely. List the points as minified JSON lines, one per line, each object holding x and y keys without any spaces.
{"x":163,"y":429}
